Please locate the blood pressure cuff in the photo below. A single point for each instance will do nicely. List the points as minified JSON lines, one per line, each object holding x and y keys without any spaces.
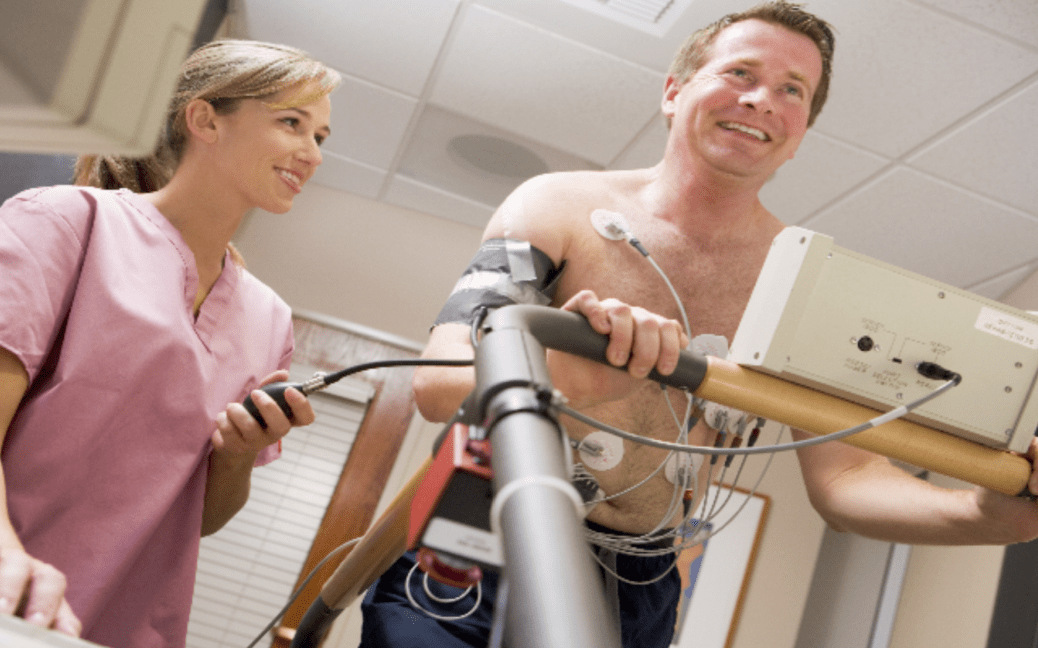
{"x":503,"y":272}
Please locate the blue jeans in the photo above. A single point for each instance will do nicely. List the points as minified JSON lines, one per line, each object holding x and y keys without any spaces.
{"x":647,"y":612}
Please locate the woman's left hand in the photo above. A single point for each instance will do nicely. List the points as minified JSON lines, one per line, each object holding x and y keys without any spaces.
{"x":237,"y":432}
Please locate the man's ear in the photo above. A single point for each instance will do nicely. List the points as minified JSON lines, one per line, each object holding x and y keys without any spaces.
{"x":670,"y":93}
{"x":200,"y":118}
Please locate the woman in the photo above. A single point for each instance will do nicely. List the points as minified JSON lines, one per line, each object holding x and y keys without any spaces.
{"x":127,"y":325}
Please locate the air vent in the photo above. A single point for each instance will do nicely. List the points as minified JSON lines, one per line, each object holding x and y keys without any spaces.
{"x":652,"y":16}
{"x":647,"y":10}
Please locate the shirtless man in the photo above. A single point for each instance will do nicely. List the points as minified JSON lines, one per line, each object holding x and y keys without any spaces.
{"x":736,"y":114}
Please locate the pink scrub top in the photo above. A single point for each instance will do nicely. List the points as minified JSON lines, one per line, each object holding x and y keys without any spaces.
{"x":105,"y":461}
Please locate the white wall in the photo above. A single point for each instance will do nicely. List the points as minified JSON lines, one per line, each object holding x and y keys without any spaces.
{"x":949,"y":593}
{"x":389,"y":268}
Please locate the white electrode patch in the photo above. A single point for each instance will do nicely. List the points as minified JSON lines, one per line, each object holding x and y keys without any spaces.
{"x":601,"y":451}
{"x":710,"y":345}
{"x":681,"y":467}
{"x":611,"y":225}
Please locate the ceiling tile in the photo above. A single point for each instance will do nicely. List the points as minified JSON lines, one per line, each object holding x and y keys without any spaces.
{"x":597,"y":31}
{"x":1003,"y":284}
{"x":429,"y":158}
{"x":902,"y":73}
{"x":927,"y":226}
{"x":389,"y":42}
{"x":646,"y":150}
{"x":995,"y":154}
{"x":349,"y":175}
{"x":1015,"y":18}
{"x":409,"y":193}
{"x":822,"y":171}
{"x":550,"y":89}
{"x":368,"y":122}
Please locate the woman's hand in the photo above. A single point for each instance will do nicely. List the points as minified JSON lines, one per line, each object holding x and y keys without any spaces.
{"x":35,"y":590}
{"x":237,"y":432}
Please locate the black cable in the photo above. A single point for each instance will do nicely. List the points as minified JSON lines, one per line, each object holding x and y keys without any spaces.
{"x":380,"y":364}
{"x":321,"y":380}
{"x":302,"y":586}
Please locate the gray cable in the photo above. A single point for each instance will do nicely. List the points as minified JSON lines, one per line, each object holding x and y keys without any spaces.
{"x":792,"y":445}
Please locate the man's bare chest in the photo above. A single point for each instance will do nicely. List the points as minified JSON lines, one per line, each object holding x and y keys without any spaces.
{"x":713,"y":286}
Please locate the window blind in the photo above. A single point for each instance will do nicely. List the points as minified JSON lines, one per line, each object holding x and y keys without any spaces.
{"x":247,"y":570}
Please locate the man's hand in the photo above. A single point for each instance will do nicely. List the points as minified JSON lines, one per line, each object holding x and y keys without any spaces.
{"x":638,"y":340}
{"x":35,"y":590}
{"x":1015,"y":519}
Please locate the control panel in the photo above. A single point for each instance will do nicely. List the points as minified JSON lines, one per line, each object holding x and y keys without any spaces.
{"x":858,"y":328}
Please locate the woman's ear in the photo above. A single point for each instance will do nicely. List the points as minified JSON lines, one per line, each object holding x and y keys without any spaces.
{"x":200,"y":118}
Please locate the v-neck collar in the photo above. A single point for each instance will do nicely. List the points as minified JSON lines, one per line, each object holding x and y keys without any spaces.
{"x":217,"y":301}
{"x":219,"y":298}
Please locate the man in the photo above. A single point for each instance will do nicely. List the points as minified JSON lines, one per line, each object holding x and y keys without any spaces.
{"x":739,"y":99}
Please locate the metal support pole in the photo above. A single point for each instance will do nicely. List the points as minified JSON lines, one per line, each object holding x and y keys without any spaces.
{"x":555,"y":593}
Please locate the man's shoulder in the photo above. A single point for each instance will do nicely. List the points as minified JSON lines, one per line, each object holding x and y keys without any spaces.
{"x":566,"y":192}
{"x":552,"y":210}
{"x":602,"y":180}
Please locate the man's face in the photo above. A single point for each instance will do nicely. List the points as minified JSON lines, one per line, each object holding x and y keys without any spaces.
{"x":745,"y":111}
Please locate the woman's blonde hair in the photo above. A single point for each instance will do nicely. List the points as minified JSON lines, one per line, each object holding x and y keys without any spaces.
{"x":222,"y":72}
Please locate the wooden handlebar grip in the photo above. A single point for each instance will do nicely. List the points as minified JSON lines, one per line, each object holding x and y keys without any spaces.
{"x":815,"y":412}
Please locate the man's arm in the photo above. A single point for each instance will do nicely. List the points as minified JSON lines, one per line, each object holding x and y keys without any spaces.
{"x":237,"y":442}
{"x":638,"y":339}
{"x":858,"y":491}
{"x":537,"y":213}
{"x":439,"y":391}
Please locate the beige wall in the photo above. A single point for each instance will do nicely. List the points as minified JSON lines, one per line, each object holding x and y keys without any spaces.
{"x":782,"y":574}
{"x":949,"y":594}
{"x":357,"y":260}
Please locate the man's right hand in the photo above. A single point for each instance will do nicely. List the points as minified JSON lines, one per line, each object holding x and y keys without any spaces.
{"x":35,"y":590}
{"x":638,"y":340}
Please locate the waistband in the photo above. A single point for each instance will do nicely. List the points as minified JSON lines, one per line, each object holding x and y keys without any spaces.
{"x":662,"y":543}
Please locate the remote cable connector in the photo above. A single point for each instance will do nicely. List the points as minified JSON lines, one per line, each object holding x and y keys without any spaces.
{"x":934,"y":371}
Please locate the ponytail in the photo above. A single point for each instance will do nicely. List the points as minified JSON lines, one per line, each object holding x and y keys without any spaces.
{"x":139,"y":175}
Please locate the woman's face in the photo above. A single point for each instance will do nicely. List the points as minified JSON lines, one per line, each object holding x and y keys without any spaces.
{"x":268,"y":153}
